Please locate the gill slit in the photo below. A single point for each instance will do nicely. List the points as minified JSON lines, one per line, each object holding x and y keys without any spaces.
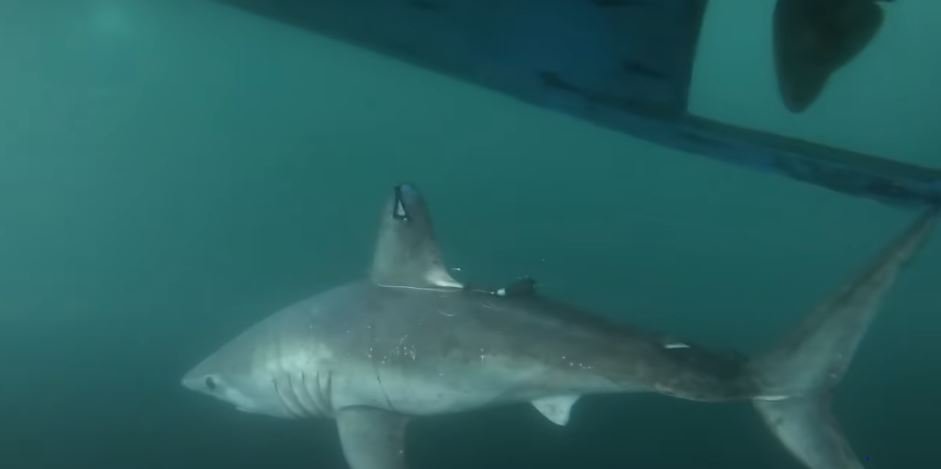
{"x":288,"y":396}
{"x":300,"y":396}
{"x":319,"y":392}
{"x":328,"y":387}
{"x":307,"y":398}
{"x":291,"y":407}
{"x":375,"y":367}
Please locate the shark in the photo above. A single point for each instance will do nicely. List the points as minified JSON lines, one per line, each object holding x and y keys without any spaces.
{"x":410,"y":341}
{"x":627,"y":65}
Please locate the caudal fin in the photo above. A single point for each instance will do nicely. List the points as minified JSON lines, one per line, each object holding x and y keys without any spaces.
{"x":795,"y":379}
{"x":814,"y":38}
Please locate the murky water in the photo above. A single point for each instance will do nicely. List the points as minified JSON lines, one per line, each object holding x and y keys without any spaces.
{"x":171,"y":172}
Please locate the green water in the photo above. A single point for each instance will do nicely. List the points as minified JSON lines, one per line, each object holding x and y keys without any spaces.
{"x":171,"y":172}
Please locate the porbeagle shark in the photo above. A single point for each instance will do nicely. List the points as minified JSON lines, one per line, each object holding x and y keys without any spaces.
{"x":626,"y":65}
{"x":410,"y":341}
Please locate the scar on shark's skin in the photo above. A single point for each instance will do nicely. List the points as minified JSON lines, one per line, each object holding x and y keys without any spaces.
{"x":409,"y":341}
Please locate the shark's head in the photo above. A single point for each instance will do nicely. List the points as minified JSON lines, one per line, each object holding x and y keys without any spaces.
{"x":230,"y":375}
{"x":277,"y":368}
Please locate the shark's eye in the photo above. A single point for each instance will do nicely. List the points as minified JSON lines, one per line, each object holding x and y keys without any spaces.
{"x":211,"y":383}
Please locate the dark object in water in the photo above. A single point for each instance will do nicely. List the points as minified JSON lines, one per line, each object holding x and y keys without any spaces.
{"x":814,"y":38}
{"x":411,"y":341}
{"x":625,"y":65}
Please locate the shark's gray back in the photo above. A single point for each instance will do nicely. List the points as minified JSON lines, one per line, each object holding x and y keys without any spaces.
{"x":486,"y":348}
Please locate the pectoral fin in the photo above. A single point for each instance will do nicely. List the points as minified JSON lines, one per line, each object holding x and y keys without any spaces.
{"x":372,"y":438}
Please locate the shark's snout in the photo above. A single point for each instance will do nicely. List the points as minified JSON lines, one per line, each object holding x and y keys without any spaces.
{"x":203,"y":378}
{"x":240,"y":388}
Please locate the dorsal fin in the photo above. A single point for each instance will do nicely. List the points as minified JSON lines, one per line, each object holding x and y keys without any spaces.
{"x":407,"y":254}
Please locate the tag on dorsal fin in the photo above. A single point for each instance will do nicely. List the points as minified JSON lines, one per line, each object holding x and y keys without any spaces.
{"x":407,"y":254}
{"x":557,"y":409}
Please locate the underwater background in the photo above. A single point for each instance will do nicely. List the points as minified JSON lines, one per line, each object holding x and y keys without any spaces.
{"x":173,"y":171}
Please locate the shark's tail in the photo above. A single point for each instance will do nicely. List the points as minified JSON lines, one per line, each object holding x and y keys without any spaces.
{"x":795,"y":379}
